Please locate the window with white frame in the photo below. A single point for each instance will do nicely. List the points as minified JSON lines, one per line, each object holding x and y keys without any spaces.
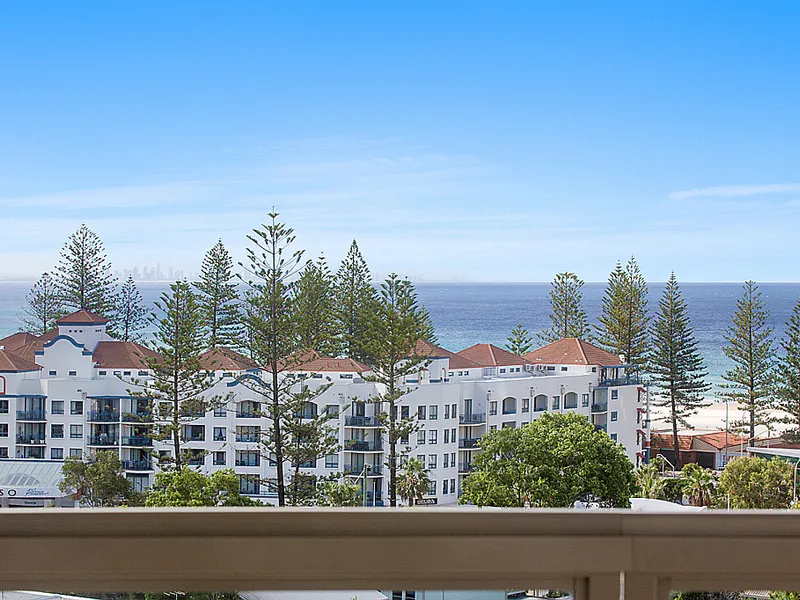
{"x":433,"y":412}
{"x":332,"y":461}
{"x":432,"y":461}
{"x":420,"y":438}
{"x":615,"y":394}
{"x":421,"y":413}
{"x":585,"y":400}
{"x":433,"y":436}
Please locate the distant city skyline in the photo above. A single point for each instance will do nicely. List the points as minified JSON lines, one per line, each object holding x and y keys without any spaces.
{"x":456,"y":141}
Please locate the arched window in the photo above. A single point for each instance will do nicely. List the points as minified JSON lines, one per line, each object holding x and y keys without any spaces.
{"x":570,"y":400}
{"x":509,"y":406}
{"x":540,"y":403}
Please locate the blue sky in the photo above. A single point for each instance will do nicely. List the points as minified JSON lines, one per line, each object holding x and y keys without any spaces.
{"x":470,"y":141}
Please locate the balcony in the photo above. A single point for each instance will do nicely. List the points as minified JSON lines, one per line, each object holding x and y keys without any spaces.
{"x":137,"y":417}
{"x":246,"y":462}
{"x":31,"y":415}
{"x":599,"y":427}
{"x":599,"y":407}
{"x":102,"y":440}
{"x":465,"y":468}
{"x":374,"y":470}
{"x":194,"y":438}
{"x":468,"y":442}
{"x":247,"y":415}
{"x":509,"y":411}
{"x":102,"y":416}
{"x":631,"y":379}
{"x":472,"y":419}
{"x":363,"y":446}
{"x":245,"y":437}
{"x":137,"y":465}
{"x":137,"y":441}
{"x":31,"y":439}
{"x":361,"y":422}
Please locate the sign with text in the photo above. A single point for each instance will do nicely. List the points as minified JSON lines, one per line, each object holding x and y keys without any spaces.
{"x":426,"y":502}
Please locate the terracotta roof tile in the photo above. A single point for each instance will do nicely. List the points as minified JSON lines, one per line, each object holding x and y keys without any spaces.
{"x":225,"y":359}
{"x":424,"y":348}
{"x":717,"y":439}
{"x":48,"y":335}
{"x":17,"y":340}
{"x":488,"y":355}
{"x":28,"y":351}
{"x":13,"y":363}
{"x":665,"y":441}
{"x":323,"y":364}
{"x":572,"y":351}
{"x":122,"y":355}
{"x":83,"y":317}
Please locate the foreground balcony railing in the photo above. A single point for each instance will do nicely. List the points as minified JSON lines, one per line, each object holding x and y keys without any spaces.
{"x":137,"y":441}
{"x":137,"y":465}
{"x":31,"y":415}
{"x":102,"y":440}
{"x":31,"y":439}
{"x":361,"y":422}
{"x":359,"y":470}
{"x":617,"y":381}
{"x":598,"y":407}
{"x":472,"y":419}
{"x":363,"y":446}
{"x":601,"y":555}
{"x":103,"y":416}
{"x":468,"y":442}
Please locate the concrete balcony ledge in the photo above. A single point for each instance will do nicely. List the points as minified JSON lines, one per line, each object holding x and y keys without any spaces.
{"x":588,"y":551}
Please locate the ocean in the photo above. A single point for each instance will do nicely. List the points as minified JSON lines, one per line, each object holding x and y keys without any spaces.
{"x":468,"y":313}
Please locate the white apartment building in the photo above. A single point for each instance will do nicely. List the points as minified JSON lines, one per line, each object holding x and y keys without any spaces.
{"x":69,"y":393}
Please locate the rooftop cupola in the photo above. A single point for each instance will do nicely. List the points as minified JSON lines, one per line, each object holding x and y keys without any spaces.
{"x":84,"y":327}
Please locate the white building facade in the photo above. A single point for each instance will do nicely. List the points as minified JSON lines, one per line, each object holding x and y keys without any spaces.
{"x":74,"y":393}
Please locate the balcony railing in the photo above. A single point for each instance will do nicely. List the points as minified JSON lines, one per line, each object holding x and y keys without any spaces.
{"x":137,"y":417}
{"x":509,"y":411}
{"x":472,"y":418}
{"x":618,"y":381}
{"x":598,"y":407}
{"x":194,"y":438}
{"x":102,"y":440}
{"x":468,"y":442}
{"x":465,"y":468}
{"x":137,"y":441}
{"x":359,"y":470}
{"x":247,"y":415}
{"x":31,"y":415}
{"x":137,"y":465}
{"x":363,"y":446}
{"x":361,"y":422}
{"x":31,"y":439}
{"x":599,"y":427}
{"x":102,"y":416}
{"x":247,"y":437}
{"x":246,"y":462}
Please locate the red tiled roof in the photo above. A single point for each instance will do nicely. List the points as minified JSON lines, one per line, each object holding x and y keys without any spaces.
{"x":48,"y":335}
{"x":17,"y":340}
{"x":122,"y":355}
{"x":459,"y":362}
{"x":717,"y":439}
{"x":487,"y":355}
{"x":13,"y":363}
{"x":572,"y":351}
{"x":666,"y":441}
{"x":323,"y":364}
{"x":28,"y":351}
{"x":225,"y":359}
{"x":83,"y":317}
{"x":424,"y":348}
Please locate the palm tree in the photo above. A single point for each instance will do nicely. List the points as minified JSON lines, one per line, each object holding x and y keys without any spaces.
{"x":699,"y":484}
{"x":649,"y":482}
{"x":413,"y":483}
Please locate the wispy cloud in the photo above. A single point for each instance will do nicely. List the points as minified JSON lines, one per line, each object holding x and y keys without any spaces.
{"x":736,"y":191}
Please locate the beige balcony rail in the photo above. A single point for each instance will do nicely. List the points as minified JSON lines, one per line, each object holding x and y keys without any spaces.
{"x":596,"y":553}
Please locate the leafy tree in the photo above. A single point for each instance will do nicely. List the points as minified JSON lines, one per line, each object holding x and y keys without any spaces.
{"x":752,"y":482}
{"x":784,"y":595}
{"x":649,"y":483}
{"x":97,"y":482}
{"x":675,"y":363}
{"x":354,"y":296}
{"x":43,"y":306}
{"x":271,"y":269}
{"x":333,"y":493}
{"x":624,"y":320}
{"x":395,"y":325}
{"x":698,"y":484}
{"x":313,"y":308}
{"x":520,"y":341}
{"x":413,"y":482}
{"x":787,"y":388}
{"x":179,"y":385}
{"x":131,"y":312}
{"x":218,"y":298}
{"x":568,"y":317}
{"x":84,"y":277}
{"x":750,"y":347}
{"x":186,"y":487}
{"x":555,"y":461}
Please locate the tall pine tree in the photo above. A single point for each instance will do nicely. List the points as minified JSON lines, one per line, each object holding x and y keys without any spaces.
{"x":219,"y":298}
{"x":84,"y":277}
{"x":787,"y":388}
{"x":623,"y":328}
{"x":42,"y":306}
{"x":313,"y":308}
{"x":675,"y":363}
{"x":131,"y":312}
{"x":566,"y":303}
{"x":520,"y":341}
{"x":396,"y":324}
{"x":750,"y":347}
{"x":354,"y":297}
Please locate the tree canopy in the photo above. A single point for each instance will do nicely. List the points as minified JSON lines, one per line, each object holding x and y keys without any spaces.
{"x":98,"y":482}
{"x":567,"y":315}
{"x":752,"y":482}
{"x":187,"y":487}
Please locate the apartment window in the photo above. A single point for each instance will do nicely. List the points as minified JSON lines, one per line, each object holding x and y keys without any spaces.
{"x":332,"y":461}
{"x":445,"y":487}
{"x":75,"y":452}
{"x":450,"y":374}
{"x":453,"y":435}
{"x":102,"y":373}
{"x":73,"y":373}
{"x":56,"y":453}
{"x":460,"y":373}
{"x":248,"y":484}
{"x":57,"y":407}
{"x":564,"y":369}
{"x":3,"y":429}
{"x":219,"y":458}
{"x":502,"y":370}
{"x":227,"y":374}
{"x":76,"y":431}
{"x":4,"y":407}
{"x":248,"y":458}
{"x":219,"y":434}
{"x":271,"y":461}
{"x":453,"y":410}
{"x":493,"y":407}
{"x":421,"y":458}
{"x":432,"y":461}
{"x":57,"y":431}
{"x":432,"y":489}
{"x":452,"y":486}
{"x":433,"y":436}
{"x":404,"y":439}
{"x":220,"y":411}
{"x":345,"y":376}
{"x":446,"y":411}
{"x":142,"y":373}
{"x":445,"y":461}
{"x":556,"y":402}
{"x":421,"y":413}
{"x":526,"y":405}
{"x":613,"y":437}
{"x":594,"y":369}
{"x":52,"y":373}
{"x":585,"y":400}
{"x":420,"y":438}
{"x":615,"y":394}
{"x":332,"y":410}
{"x":3,"y":452}
{"x":446,"y":436}
{"x":76,"y":407}
{"x":614,"y":415}
{"x":433,"y":412}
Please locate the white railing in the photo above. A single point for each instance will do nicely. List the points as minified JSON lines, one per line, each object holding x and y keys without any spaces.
{"x":593,"y":552}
